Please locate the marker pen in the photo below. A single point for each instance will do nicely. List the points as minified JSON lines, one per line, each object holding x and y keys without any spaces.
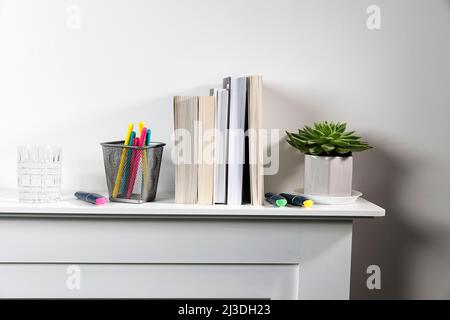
{"x":276,"y":199}
{"x":93,"y":198}
{"x":296,"y":200}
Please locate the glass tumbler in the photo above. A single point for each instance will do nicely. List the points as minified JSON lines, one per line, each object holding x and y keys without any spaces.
{"x":39,"y":173}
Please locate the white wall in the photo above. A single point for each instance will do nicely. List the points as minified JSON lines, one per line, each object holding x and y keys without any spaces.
{"x":80,"y":87}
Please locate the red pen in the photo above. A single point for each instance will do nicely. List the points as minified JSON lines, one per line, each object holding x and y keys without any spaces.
{"x":135,"y":143}
{"x":137,"y":155}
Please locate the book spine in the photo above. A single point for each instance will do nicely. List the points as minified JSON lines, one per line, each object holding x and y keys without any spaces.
{"x":236,"y":150}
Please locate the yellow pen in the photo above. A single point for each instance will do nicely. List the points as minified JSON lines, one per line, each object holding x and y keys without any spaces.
{"x":122,"y":162}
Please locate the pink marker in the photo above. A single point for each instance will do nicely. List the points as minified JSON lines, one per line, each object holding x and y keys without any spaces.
{"x":93,"y":198}
{"x":130,"y":169}
{"x":137,"y":155}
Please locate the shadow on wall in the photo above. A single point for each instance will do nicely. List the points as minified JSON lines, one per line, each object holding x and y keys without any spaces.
{"x":386,"y":242}
{"x":84,"y":170}
{"x":285,"y":113}
{"x":156,"y":113}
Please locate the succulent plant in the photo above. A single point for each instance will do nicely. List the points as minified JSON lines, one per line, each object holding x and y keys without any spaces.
{"x":327,"y":139}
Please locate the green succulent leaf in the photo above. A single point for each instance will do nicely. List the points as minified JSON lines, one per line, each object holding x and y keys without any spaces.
{"x":327,"y":147}
{"x":318,"y":133}
{"x":340,"y":128}
{"x":340,"y":143}
{"x":327,"y":138}
{"x":315,"y":150}
{"x":342,"y":150}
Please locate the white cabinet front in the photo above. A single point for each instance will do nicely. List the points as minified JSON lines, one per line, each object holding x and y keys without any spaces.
{"x":35,"y":280}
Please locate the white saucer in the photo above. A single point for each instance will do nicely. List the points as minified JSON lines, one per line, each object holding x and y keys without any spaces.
{"x":330,"y":199}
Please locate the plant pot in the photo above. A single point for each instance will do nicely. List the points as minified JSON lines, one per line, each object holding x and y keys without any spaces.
{"x":328,"y":176}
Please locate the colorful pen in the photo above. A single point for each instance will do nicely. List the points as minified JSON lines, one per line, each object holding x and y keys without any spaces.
{"x":276,"y":199}
{"x":93,"y":198}
{"x":126,"y":173}
{"x":145,"y":161}
{"x":122,"y":162}
{"x":141,"y":128}
{"x":131,"y":168}
{"x":297,"y":200}
{"x":136,"y":158}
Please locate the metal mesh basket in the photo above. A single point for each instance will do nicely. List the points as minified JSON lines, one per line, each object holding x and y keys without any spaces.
{"x":132,"y":172}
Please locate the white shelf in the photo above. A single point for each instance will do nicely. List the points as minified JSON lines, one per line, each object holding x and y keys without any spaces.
{"x":165,"y":207}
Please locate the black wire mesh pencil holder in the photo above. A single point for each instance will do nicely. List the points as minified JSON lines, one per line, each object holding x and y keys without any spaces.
{"x":132,"y":173}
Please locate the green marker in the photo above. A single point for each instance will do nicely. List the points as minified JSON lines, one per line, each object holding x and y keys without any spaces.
{"x":276,"y":199}
{"x":296,"y":200}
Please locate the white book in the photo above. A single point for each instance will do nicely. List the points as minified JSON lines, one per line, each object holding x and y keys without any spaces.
{"x":186,"y":169}
{"x":205,"y":148}
{"x":254,"y":94}
{"x":237,"y":88}
{"x":221,"y":147}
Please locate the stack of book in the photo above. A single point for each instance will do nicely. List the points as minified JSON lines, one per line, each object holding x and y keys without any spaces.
{"x":218,"y":147}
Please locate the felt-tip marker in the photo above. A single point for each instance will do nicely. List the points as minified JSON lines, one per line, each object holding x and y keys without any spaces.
{"x":93,"y":198}
{"x":276,"y":199}
{"x":297,"y":200}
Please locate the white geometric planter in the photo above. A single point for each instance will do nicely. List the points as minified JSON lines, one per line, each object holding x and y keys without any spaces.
{"x":328,"y":176}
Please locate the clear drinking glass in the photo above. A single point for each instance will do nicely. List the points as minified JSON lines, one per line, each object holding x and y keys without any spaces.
{"x":39,"y":173}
